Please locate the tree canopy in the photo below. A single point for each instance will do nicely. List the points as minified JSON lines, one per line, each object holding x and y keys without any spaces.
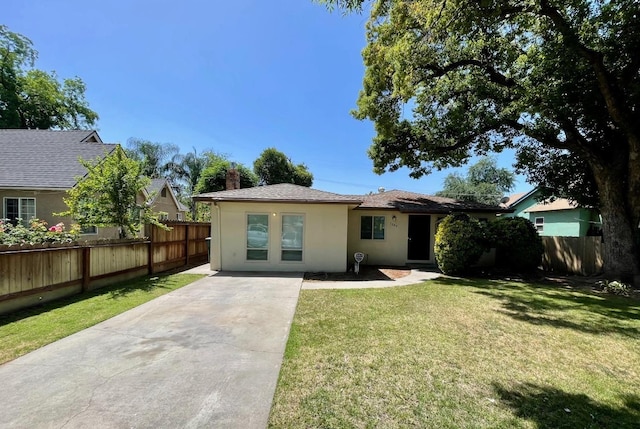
{"x":273,"y":167}
{"x":157,"y":159}
{"x":214,"y":176}
{"x":32,"y":98}
{"x":484,"y":183}
{"x":557,"y":81}
{"x":110,"y":194}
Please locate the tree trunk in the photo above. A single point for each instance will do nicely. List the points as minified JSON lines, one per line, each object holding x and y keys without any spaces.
{"x":619,"y":223}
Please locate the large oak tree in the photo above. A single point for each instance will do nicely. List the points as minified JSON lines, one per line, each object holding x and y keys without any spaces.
{"x":557,"y":80}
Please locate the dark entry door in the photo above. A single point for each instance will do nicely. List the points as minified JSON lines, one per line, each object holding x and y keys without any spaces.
{"x":419,"y":237}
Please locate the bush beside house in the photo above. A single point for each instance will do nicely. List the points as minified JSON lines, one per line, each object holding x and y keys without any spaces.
{"x":459,"y":243}
{"x":37,"y":232}
{"x":518,"y":245}
{"x":461,"y":240}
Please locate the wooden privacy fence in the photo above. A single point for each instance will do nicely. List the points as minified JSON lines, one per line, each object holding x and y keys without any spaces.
{"x":29,"y":275}
{"x":573,"y":255}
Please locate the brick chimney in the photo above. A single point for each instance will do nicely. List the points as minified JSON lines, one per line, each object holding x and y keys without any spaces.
{"x":233,"y":177}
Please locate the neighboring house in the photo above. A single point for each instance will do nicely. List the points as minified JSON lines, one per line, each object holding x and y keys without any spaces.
{"x":559,"y":217}
{"x":161,"y":198}
{"x":37,"y":167}
{"x":287,"y":227}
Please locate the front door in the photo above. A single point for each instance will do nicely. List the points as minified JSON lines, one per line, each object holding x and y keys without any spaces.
{"x":419,"y":240}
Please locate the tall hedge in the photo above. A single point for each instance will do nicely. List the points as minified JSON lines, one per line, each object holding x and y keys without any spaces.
{"x":518,"y":246}
{"x":460,"y":241}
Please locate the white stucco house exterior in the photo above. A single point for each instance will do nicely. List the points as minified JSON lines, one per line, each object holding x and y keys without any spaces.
{"x":288,"y":227}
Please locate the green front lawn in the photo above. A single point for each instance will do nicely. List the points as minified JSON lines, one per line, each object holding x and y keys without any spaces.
{"x":461,"y":354}
{"x":32,"y":328}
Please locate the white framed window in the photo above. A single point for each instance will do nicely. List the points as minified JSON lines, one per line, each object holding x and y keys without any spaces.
{"x":372,"y":227}
{"x":179,"y":216}
{"x":292,"y":236}
{"x":257,"y":237}
{"x":19,"y":208}
{"x":539,"y":224}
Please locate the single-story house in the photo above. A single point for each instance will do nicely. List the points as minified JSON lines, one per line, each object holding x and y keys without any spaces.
{"x":37,"y":167}
{"x":287,"y":227}
{"x":554,"y":217}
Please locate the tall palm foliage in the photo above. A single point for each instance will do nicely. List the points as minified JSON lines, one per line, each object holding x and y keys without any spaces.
{"x":185,"y":172}
{"x":156,"y":158}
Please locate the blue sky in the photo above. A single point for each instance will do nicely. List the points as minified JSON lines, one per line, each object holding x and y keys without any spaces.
{"x":233,"y":77}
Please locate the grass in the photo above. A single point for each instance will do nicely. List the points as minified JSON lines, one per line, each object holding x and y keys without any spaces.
{"x":461,"y":354}
{"x":27,"y":330}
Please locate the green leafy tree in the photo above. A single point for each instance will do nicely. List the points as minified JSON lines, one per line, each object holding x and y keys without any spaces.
{"x":484,"y":183}
{"x":558,"y":81}
{"x":214,"y":176}
{"x":109,"y":195}
{"x":32,"y":98}
{"x":273,"y":167}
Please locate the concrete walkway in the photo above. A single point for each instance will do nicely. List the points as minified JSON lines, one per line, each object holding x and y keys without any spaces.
{"x":207,"y":355}
{"x":416,"y":276}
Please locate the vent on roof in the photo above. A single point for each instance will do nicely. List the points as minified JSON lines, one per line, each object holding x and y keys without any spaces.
{"x":381,"y":189}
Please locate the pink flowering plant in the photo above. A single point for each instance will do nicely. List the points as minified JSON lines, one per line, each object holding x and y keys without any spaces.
{"x":37,"y":232}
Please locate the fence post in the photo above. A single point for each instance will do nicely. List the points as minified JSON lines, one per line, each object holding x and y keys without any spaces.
{"x":186,"y":245}
{"x":150,"y":247}
{"x":86,"y":268}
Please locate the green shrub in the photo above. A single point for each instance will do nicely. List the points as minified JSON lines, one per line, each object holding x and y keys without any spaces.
{"x":460,"y":241}
{"x":36,"y":233}
{"x":518,"y":246}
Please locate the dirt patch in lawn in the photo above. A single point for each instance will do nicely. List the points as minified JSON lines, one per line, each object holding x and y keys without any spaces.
{"x":367,"y":273}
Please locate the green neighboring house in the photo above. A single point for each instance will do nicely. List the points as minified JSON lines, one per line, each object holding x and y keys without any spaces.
{"x":559,"y":217}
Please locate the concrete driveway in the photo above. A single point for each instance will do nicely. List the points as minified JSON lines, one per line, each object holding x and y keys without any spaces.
{"x":207,"y":355}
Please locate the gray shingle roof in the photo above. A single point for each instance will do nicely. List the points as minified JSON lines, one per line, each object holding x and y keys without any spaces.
{"x":283,"y":192}
{"x":410,"y":202}
{"x":46,"y":159}
{"x":156,"y":185}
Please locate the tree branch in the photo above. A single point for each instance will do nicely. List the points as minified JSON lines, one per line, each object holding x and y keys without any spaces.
{"x":608,"y":88}
{"x":494,"y":75}
{"x":546,"y":138}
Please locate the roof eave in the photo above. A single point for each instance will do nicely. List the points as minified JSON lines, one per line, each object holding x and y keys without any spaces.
{"x":272,"y":200}
{"x":524,"y":197}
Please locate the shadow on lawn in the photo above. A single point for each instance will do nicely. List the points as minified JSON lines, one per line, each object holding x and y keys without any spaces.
{"x":552,"y":408}
{"x":547,"y":305}
{"x":116,"y":291}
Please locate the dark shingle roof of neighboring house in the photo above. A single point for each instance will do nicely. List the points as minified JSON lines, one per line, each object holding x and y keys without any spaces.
{"x":410,"y":202}
{"x":156,"y":186}
{"x":46,"y":159}
{"x":283,"y":192}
